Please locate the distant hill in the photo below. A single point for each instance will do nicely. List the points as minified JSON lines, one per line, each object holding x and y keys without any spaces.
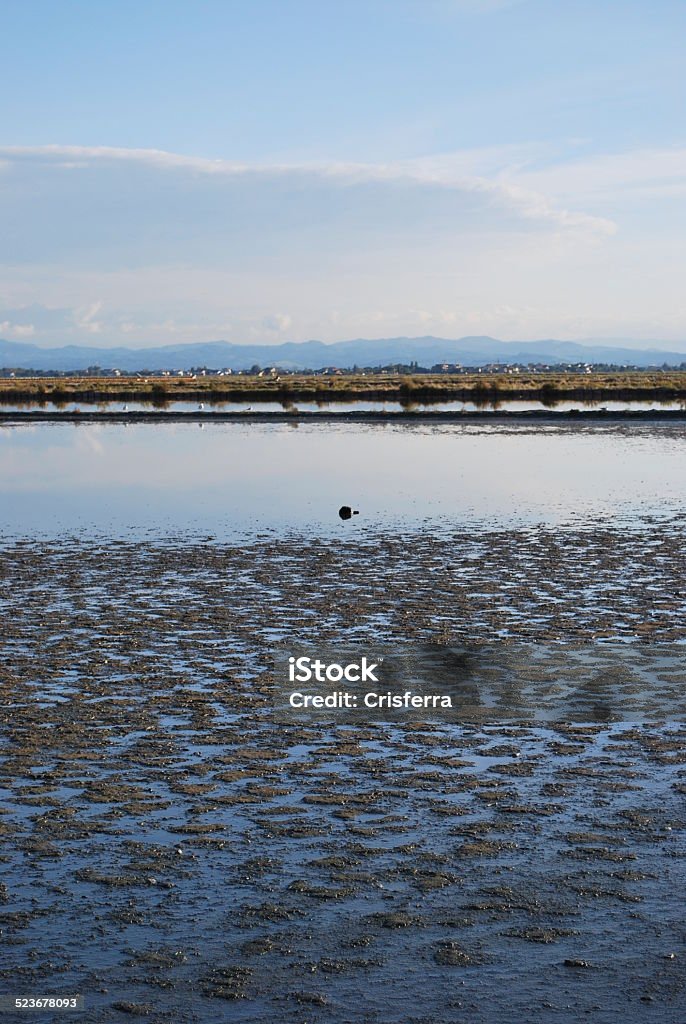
{"x":471,"y":351}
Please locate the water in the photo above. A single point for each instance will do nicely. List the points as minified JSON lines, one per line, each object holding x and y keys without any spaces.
{"x":232,"y":480}
{"x":173,"y":849}
{"x":358,"y":405}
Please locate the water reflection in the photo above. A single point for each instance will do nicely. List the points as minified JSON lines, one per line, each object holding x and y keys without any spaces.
{"x":232,"y":478}
{"x":407,"y":404}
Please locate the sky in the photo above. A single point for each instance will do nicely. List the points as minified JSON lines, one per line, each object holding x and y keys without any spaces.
{"x":282,"y":170}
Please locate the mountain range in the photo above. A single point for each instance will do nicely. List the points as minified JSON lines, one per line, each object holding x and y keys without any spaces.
{"x":426,"y":351}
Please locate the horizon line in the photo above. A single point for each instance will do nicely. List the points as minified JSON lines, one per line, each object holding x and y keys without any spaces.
{"x":650,"y":344}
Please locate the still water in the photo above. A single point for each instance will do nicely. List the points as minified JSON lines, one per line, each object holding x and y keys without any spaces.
{"x":358,"y":405}
{"x":233,"y":480}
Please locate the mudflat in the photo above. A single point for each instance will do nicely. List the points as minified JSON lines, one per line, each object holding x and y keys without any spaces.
{"x":173,"y":851}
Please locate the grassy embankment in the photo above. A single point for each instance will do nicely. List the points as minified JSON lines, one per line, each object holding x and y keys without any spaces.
{"x":424,"y":388}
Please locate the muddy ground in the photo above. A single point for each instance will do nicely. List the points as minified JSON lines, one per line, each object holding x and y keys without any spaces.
{"x":174,"y":852}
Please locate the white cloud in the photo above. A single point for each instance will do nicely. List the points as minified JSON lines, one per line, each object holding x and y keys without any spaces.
{"x":277,"y":322}
{"x":446,"y":172}
{"x":145,"y":247}
{"x":10,"y":330}
{"x":613,"y":177}
{"x":84,"y":318}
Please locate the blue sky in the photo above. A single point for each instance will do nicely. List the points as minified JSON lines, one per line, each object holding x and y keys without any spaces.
{"x":176,"y":171}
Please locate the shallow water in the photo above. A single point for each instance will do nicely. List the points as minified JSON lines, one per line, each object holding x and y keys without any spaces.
{"x":174,"y":850}
{"x":358,"y":405}
{"x":232,"y":480}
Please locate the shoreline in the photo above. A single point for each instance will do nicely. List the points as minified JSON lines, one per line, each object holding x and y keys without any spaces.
{"x":407,"y":389}
{"x":571,"y":416}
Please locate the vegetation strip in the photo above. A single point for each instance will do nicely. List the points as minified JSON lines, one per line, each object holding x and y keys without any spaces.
{"x":487,"y":387}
